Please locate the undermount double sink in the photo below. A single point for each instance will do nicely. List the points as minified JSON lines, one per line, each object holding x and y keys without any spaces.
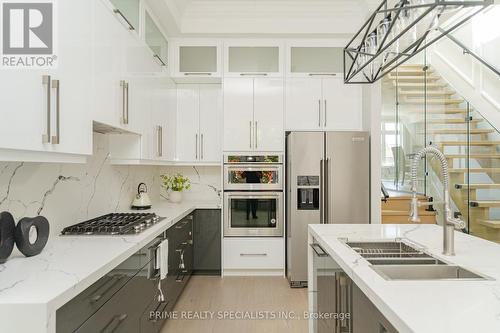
{"x":397,"y":260}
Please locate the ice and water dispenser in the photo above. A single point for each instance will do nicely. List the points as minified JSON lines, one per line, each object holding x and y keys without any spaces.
{"x":308,"y":192}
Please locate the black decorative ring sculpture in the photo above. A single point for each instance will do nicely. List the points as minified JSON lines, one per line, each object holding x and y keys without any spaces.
{"x":7,"y":227}
{"x":22,"y":234}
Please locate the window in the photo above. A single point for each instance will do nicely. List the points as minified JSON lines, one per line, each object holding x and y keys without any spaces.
{"x":390,"y":133}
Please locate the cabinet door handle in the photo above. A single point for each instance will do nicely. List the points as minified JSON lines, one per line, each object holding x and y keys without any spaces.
{"x":253,"y":74}
{"x":253,"y":254}
{"x":251,"y":129}
{"x":46,"y":136}
{"x":56,"y":85}
{"x":325,"y":111}
{"x":159,"y":140}
{"x":161,"y":62}
{"x":319,"y":113}
{"x":130,"y":26}
{"x":322,"y":74}
{"x":201,"y":74}
{"x":196,"y":146}
{"x":202,"y":146}
{"x":124,"y":85}
{"x":256,"y":135}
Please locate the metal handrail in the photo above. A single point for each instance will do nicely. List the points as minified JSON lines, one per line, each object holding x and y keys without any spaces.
{"x":466,"y":50}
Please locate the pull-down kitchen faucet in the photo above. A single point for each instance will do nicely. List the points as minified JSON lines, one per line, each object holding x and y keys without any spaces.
{"x":449,"y":222}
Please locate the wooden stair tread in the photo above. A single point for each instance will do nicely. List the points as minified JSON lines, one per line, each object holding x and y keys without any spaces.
{"x":460,"y":131}
{"x":475,"y":155}
{"x":475,"y":170}
{"x":406,"y":212}
{"x":464,"y":143}
{"x":420,"y":84}
{"x":434,"y":101}
{"x":451,"y":121}
{"x":438,"y":111}
{"x":413,"y":77}
{"x":477,"y":186}
{"x":489,"y":223}
{"x":429,"y":93}
{"x":485,"y":203}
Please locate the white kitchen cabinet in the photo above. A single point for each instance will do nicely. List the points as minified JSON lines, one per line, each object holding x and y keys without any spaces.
{"x":33,"y":108}
{"x":253,"y":58}
{"x":253,"y":114}
{"x":163,"y":126}
{"x":303,"y":104}
{"x":198,"y":123}
{"x":247,"y":255}
{"x":342,"y":105}
{"x":322,"y":104}
{"x":268,"y":114}
{"x":238,"y":114}
{"x":196,"y":61}
{"x":155,"y":40}
{"x":314,"y":60}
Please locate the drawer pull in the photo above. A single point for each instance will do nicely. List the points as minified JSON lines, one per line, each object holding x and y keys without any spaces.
{"x":160,"y":308}
{"x":119,"y":318}
{"x":253,"y":254}
{"x":97,"y":296}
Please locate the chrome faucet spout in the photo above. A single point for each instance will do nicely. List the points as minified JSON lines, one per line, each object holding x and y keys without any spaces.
{"x":449,"y":222}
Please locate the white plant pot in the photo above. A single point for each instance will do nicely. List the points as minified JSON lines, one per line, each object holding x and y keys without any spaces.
{"x":175,"y":196}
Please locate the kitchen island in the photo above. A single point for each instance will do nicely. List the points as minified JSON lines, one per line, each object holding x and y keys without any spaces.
{"x":423,"y":306}
{"x":32,"y":289}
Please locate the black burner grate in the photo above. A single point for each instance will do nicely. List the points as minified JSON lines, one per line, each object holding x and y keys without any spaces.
{"x":113,"y":224}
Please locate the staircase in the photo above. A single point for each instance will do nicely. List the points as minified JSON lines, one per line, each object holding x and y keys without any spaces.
{"x":395,"y":209}
{"x":435,"y":114}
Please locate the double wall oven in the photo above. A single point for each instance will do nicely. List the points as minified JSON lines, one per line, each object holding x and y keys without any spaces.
{"x":253,"y":195}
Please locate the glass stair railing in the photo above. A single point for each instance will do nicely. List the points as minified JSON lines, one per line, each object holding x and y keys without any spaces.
{"x":419,"y":109}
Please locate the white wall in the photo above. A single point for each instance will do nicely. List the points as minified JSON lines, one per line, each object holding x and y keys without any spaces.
{"x":70,"y":193}
{"x":473,"y":81}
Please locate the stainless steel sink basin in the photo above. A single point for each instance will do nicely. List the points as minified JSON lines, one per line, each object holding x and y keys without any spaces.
{"x":425,"y":272}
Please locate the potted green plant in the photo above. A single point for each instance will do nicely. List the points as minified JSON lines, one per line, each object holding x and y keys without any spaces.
{"x":175,"y":185}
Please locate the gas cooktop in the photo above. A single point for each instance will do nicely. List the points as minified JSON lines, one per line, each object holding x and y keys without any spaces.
{"x":114,"y":224}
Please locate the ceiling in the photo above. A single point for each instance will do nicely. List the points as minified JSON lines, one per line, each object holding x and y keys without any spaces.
{"x":261,"y":17}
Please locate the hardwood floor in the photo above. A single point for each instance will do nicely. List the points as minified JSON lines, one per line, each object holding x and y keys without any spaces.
{"x":238,"y":296}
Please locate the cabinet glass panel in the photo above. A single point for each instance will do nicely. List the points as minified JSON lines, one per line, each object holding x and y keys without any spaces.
{"x":248,"y":59}
{"x":130,"y":10}
{"x":155,"y":39}
{"x":316,"y":60}
{"x":198,"y":59}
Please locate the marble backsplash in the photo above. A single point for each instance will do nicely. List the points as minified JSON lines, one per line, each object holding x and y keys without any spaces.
{"x":69,"y":193}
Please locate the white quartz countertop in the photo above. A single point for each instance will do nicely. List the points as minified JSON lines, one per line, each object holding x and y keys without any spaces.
{"x":32,"y":289}
{"x":423,"y":306}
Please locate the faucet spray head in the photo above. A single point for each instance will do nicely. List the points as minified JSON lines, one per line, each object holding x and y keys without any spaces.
{"x":414,"y":218}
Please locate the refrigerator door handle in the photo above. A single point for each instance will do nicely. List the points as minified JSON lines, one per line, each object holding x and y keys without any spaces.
{"x":322,"y":191}
{"x":326,"y":194}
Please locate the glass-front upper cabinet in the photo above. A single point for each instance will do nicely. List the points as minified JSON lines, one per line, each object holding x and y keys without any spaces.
{"x":155,"y":40}
{"x":128,"y":11}
{"x":253,"y":59}
{"x":314,"y":61}
{"x":195,"y":59}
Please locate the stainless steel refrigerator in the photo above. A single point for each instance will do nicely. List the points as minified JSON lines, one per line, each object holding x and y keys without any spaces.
{"x":328,"y":181}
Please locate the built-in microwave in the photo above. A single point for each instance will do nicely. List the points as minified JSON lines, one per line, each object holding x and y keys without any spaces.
{"x":251,"y":173}
{"x":253,"y":214}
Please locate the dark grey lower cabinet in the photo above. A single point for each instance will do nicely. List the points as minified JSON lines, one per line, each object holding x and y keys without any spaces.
{"x":207,"y":242}
{"x":126,"y":299}
{"x":333,"y":292}
{"x":366,"y":317}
